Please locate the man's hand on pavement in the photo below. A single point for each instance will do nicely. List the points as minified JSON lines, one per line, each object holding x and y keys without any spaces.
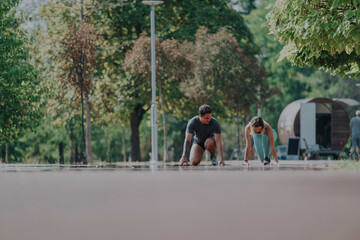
{"x":183,"y":161}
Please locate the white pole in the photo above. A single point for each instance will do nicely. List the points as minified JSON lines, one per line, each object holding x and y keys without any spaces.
{"x":259,"y":98}
{"x":154,"y":132}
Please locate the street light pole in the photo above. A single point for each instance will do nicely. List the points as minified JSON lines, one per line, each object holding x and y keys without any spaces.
{"x":259,"y":101}
{"x":259,"y":57}
{"x":358,"y":85}
{"x":154,"y":131}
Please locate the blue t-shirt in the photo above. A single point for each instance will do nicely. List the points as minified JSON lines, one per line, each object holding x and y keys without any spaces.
{"x":355,"y":125}
{"x":203,"y":131}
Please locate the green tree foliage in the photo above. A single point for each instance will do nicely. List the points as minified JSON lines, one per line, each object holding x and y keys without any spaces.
{"x":244,"y":6}
{"x":79,"y":59}
{"x":79,"y":64}
{"x":40,"y":146}
{"x":320,"y":33}
{"x":174,"y":20}
{"x":20,"y":106}
{"x":64,"y":102}
{"x":73,"y":21}
{"x":293,"y":82}
{"x":185,"y":17}
{"x":108,"y":144}
{"x":173,"y":66}
{"x":223,"y":74}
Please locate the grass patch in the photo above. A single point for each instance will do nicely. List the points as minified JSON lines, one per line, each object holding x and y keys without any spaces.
{"x":348,"y":164}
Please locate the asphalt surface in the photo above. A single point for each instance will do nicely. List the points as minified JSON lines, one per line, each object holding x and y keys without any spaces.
{"x":294,"y":201}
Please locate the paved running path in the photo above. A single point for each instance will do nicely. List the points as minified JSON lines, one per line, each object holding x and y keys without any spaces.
{"x":186,"y":204}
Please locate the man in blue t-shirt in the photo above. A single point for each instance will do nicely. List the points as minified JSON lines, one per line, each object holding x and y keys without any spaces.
{"x":207,"y":132}
{"x":355,"y":130}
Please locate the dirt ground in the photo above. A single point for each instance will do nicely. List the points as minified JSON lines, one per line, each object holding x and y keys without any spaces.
{"x":294,"y":202}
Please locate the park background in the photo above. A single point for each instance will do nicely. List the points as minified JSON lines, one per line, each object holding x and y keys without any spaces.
{"x":216,"y":52}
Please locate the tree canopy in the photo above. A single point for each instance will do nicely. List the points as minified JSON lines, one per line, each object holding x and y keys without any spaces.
{"x":19,"y":98}
{"x":173,"y":66}
{"x":122,"y":95}
{"x":224,"y":75}
{"x":79,"y":59}
{"x":320,"y":33}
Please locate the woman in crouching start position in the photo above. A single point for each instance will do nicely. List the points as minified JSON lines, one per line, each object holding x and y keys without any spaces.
{"x":264,"y":138}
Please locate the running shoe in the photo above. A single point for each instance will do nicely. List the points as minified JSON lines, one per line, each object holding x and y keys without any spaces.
{"x":267,"y":161}
{"x":214,"y":162}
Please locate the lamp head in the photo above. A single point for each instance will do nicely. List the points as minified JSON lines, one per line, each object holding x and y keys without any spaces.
{"x":152,"y":3}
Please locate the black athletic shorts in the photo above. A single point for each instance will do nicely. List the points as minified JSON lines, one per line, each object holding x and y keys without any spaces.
{"x":201,"y":144}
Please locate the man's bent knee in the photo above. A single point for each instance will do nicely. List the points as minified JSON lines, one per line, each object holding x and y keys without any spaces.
{"x":196,"y":154}
{"x":210,"y":143}
{"x":194,"y":163}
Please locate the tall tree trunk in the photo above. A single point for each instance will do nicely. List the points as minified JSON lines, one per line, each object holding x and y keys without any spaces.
{"x":108,"y":140}
{"x":6,"y":153}
{"x":84,"y":157}
{"x":108,"y":150}
{"x":238,"y":131}
{"x":73,"y":157}
{"x":166,"y":155}
{"x":78,"y":159}
{"x":135,"y":120}
{"x":90,"y":155}
{"x":123,"y":144}
{"x":61,"y":153}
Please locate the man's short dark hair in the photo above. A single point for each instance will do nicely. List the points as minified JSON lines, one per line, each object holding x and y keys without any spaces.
{"x":204,"y":109}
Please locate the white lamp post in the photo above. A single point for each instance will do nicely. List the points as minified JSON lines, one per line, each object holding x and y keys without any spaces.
{"x":154,"y":131}
{"x":259,"y":57}
{"x":259,"y":99}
